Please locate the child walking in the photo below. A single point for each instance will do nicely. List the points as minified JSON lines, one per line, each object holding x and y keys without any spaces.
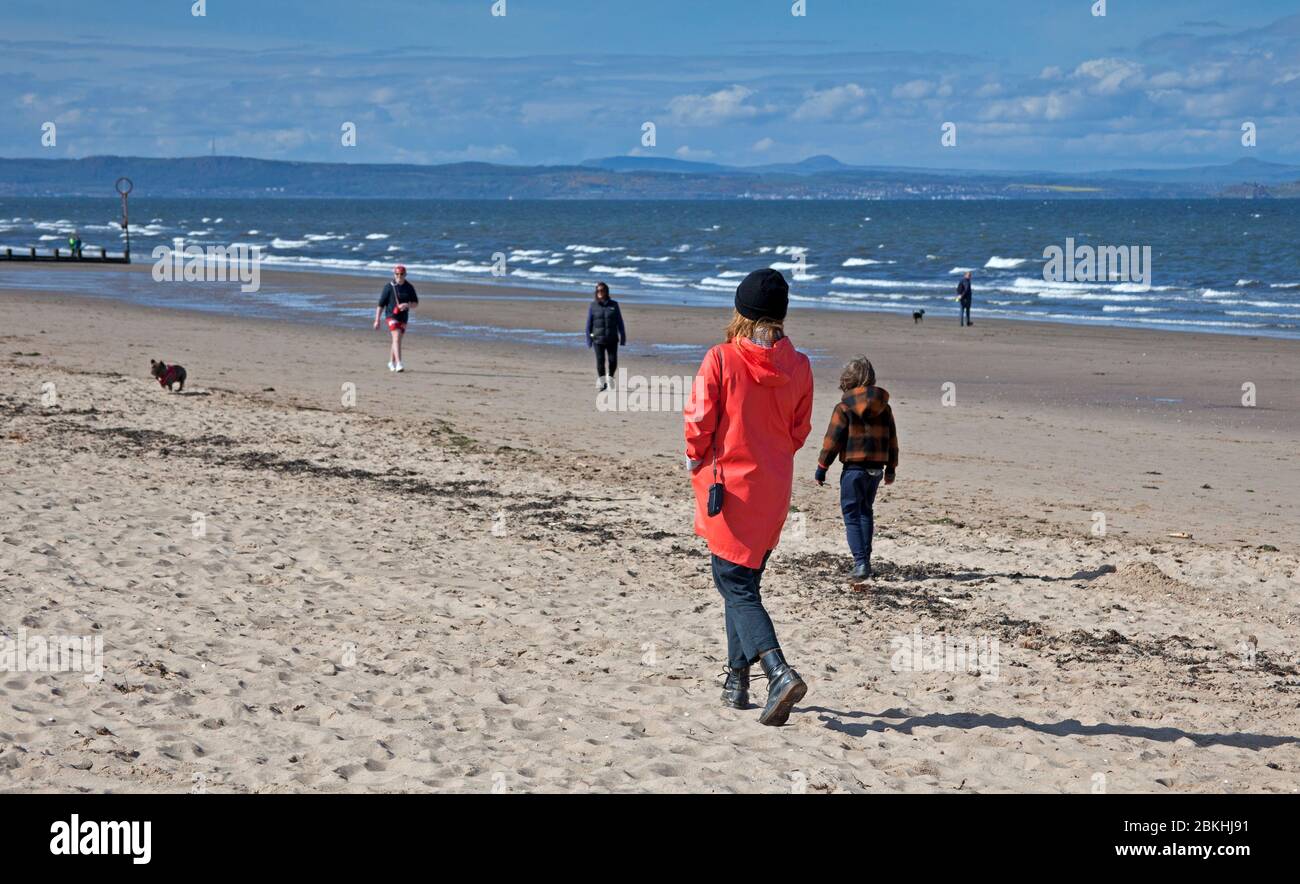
{"x":863,"y":435}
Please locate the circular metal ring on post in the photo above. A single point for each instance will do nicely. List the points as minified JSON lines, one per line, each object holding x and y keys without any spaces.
{"x":118,"y":185}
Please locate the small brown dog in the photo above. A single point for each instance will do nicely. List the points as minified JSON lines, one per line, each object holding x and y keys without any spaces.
{"x":168,"y":375}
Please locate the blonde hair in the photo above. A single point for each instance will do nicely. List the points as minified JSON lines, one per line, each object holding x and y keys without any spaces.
{"x":764,"y":330}
{"x":858,"y":372}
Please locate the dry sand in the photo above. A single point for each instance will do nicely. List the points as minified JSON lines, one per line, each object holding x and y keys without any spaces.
{"x":473,"y":579}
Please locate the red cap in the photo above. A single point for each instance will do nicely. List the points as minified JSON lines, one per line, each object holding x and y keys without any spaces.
{"x":400,"y":268}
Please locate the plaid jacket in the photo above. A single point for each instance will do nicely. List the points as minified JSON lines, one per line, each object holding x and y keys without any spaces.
{"x":862,"y":431}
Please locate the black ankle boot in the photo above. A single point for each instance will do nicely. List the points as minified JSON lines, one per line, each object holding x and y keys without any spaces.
{"x":784,"y":688}
{"x":735,"y":690}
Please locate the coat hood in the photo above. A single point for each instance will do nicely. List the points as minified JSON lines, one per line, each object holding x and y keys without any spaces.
{"x":769,"y":366}
{"x":867,"y":402}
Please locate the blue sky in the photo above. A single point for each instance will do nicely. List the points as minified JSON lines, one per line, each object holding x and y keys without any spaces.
{"x":1029,"y":83}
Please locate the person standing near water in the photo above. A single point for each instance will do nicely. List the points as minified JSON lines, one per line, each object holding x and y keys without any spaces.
{"x":964,"y":299}
{"x":748,"y":413}
{"x":605,"y":333}
{"x":396,"y":303}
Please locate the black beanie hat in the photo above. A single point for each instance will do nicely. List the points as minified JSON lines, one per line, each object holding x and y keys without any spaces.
{"x":764,"y":294}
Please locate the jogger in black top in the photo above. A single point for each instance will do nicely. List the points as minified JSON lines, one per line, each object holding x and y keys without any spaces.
{"x":395,"y":304}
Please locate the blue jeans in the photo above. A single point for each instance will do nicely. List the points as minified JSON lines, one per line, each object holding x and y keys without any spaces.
{"x":857,"y":497}
{"x":749,"y":630}
{"x":964,"y":314}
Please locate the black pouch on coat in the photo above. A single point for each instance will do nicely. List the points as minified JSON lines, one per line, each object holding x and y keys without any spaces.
{"x":715,"y":498}
{"x":716,"y":489}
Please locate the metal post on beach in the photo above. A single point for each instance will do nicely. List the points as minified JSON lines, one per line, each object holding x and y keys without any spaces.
{"x":125,"y":191}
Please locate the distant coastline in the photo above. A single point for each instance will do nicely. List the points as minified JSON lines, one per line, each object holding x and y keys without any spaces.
{"x":632,"y":178}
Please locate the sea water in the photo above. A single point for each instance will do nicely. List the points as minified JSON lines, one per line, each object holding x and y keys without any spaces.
{"x":1225,"y":266}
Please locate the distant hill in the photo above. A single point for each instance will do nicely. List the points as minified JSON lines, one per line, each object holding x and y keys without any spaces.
{"x":1242,"y":171}
{"x":654,"y":164}
{"x":1245,"y":170}
{"x":810,"y":166}
{"x":820,"y":177}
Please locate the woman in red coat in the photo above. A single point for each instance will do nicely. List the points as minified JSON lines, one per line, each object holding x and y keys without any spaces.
{"x":749,"y":412}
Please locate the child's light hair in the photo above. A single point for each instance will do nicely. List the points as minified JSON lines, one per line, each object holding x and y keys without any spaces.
{"x":767,"y":331}
{"x":858,"y":372}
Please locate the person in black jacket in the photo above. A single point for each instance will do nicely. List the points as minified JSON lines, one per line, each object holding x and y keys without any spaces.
{"x":605,"y":332}
{"x":964,"y":299}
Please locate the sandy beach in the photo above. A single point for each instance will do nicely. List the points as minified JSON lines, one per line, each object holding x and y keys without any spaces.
{"x":310,"y":574}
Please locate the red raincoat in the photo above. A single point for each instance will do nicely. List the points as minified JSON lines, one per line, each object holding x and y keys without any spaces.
{"x":755,"y":402}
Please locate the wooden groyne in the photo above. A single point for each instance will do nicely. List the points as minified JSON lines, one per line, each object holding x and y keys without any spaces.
{"x":64,"y":256}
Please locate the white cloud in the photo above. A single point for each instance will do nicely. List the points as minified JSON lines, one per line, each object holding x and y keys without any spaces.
{"x":686,"y":153}
{"x":1111,"y":75}
{"x":762,"y":145}
{"x":717,"y":107}
{"x":913,"y":90}
{"x":1053,"y":106}
{"x":845,"y":102}
{"x":1193,"y":78}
